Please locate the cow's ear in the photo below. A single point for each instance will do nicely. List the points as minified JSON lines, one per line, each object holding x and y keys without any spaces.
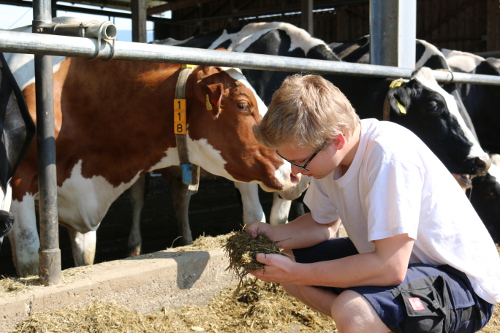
{"x":213,"y":98}
{"x":399,"y":100}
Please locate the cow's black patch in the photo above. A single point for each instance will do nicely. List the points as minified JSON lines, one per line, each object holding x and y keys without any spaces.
{"x":485,"y":197}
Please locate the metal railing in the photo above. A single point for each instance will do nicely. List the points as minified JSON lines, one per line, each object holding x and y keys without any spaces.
{"x":19,"y":42}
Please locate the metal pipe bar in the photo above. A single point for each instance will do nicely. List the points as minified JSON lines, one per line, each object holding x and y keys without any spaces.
{"x":19,"y":42}
{"x":49,"y":252}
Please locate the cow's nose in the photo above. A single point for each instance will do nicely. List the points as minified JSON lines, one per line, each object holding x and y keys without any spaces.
{"x":295,"y":178}
{"x":483,"y":164}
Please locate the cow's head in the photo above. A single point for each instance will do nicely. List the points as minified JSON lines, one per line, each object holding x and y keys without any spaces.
{"x":430,"y":112}
{"x":224,"y":108}
{"x":485,"y":197}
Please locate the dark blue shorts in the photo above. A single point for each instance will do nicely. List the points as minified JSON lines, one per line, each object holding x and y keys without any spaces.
{"x":431,"y":299}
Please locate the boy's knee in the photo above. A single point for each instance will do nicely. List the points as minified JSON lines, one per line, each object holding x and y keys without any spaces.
{"x":353,"y":313}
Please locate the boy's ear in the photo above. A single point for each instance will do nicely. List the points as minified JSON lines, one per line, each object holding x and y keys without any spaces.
{"x":339,"y":141}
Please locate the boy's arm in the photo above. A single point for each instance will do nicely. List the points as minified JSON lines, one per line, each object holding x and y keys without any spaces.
{"x":386,"y":266}
{"x":299,"y":233}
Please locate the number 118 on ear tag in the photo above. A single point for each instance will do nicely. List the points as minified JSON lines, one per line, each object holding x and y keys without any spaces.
{"x":179,"y":116}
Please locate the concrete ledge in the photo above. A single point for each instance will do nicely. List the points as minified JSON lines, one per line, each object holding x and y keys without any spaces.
{"x":145,"y":283}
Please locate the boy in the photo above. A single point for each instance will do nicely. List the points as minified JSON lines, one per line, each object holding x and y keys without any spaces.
{"x":417,"y":257}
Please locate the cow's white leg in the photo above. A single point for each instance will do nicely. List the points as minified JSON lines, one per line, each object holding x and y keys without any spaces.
{"x":23,"y":237}
{"x":83,"y":246}
{"x":181,"y":199}
{"x":137,"y":194}
{"x":252,"y":209}
{"x":279,"y":210}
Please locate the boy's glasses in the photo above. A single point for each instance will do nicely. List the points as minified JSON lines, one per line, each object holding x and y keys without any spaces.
{"x":307,"y":162}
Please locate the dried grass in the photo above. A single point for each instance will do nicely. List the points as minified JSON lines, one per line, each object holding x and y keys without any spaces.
{"x":242,"y":249}
{"x":22,"y":285}
{"x":257,"y":307}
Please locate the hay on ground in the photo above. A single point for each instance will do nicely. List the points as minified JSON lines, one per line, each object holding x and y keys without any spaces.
{"x":257,"y":306}
{"x":242,"y":250}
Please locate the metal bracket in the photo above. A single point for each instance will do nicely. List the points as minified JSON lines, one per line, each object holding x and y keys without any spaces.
{"x":102,"y":31}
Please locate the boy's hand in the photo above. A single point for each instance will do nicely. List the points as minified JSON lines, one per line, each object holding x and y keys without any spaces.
{"x":258,"y":228}
{"x":277,"y":268}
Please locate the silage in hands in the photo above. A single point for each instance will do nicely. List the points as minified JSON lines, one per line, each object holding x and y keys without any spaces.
{"x":242,"y":250}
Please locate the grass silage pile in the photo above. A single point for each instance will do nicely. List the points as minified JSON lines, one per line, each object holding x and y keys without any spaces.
{"x":255,"y":307}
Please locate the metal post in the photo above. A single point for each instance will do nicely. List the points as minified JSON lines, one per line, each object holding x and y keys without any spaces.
{"x":307,"y":16}
{"x":49,"y":253}
{"x":393,"y":32}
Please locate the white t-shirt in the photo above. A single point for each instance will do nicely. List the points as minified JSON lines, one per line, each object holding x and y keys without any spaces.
{"x":396,"y":185}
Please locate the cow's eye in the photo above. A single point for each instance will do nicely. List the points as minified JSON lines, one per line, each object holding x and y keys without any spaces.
{"x":243,"y":105}
{"x":433,"y":107}
{"x":490,"y":195}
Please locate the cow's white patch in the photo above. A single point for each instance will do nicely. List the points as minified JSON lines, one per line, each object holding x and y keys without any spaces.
{"x":171,"y":157}
{"x":83,"y":202}
{"x":6,"y":197}
{"x":23,"y":236}
{"x":495,"y":62}
{"x":425,"y":77}
{"x":494,"y":169}
{"x":252,"y":209}
{"x":462,"y":61}
{"x":430,"y":51}
{"x":252,"y":32}
{"x":202,"y":153}
{"x":237,"y":75}
{"x":22,"y":66}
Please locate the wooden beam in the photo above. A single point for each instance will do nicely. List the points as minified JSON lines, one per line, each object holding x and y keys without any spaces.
{"x":138,"y":9}
{"x":428,"y":34}
{"x":177,"y":5}
{"x":493,"y":25}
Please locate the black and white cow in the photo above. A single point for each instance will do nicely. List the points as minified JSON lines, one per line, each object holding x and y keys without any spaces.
{"x":17,"y":130}
{"x":426,"y":55}
{"x":482,"y":101}
{"x":431,"y":112}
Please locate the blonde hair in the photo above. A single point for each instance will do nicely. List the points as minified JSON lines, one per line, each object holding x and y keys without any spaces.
{"x":306,"y":110}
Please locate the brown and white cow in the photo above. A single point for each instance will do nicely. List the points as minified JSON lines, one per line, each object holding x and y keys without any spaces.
{"x":115,"y":122}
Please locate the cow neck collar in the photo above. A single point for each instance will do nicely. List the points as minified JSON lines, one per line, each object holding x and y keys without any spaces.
{"x":386,"y":111}
{"x":190,"y":172}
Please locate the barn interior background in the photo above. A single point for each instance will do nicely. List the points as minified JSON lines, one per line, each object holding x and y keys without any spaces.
{"x":466,"y":25}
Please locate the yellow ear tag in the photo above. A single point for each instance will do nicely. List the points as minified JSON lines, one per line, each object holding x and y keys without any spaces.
{"x":208,"y":105}
{"x":401,"y":107}
{"x":394,"y":84}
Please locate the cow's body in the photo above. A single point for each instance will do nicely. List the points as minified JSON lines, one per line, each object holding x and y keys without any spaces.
{"x":461,"y":155}
{"x":482,"y":101}
{"x":115,"y":121}
{"x":18,"y":130}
